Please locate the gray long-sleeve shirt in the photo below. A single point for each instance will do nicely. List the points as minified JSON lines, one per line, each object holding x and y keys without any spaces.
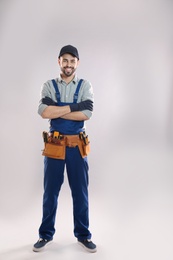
{"x":66,"y":92}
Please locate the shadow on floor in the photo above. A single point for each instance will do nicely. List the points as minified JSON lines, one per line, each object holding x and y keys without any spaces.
{"x":53,"y":251}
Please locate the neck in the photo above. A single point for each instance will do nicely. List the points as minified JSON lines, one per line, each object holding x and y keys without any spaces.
{"x":67,"y":79}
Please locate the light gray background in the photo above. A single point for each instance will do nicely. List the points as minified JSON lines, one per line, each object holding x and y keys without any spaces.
{"x":125,"y":49}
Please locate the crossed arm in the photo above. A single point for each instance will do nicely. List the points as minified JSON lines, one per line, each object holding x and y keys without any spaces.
{"x":70,"y":112}
{"x":64,"y":112}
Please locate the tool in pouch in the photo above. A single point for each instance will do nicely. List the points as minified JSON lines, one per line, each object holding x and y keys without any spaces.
{"x":84,"y":144}
{"x":55,"y":144}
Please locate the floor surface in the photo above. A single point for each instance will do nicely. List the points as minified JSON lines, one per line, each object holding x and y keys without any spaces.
{"x":130,"y":215}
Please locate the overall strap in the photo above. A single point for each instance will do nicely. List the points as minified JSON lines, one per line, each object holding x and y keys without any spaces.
{"x":57,"y":90}
{"x":77,"y":91}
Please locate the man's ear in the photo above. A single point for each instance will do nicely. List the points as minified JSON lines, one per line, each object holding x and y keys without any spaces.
{"x":59,"y":61}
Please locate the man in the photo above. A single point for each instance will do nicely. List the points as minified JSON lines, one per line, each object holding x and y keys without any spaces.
{"x":68,"y":103}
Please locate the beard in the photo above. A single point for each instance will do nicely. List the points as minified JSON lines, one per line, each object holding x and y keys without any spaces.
{"x":68,"y":71}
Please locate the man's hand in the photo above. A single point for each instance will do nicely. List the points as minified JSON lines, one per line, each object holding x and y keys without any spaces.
{"x":48,"y":101}
{"x":84,"y":105}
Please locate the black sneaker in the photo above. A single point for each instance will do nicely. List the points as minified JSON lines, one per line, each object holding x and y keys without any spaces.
{"x":88,"y":245}
{"x":40,"y":245}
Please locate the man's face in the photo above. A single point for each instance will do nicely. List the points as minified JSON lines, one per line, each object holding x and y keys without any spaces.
{"x":68,"y":64}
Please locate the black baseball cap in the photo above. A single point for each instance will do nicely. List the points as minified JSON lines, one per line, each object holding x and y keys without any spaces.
{"x":69,"y":49}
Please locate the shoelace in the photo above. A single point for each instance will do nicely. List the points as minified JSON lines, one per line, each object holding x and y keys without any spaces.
{"x":41,"y":239}
{"x":87,"y":240}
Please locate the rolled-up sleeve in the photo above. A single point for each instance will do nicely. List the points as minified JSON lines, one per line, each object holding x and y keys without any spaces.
{"x":87,"y":93}
{"x":45,"y":92}
{"x":41,"y":108}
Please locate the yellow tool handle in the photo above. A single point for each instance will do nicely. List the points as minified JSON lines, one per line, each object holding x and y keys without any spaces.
{"x":55,"y":134}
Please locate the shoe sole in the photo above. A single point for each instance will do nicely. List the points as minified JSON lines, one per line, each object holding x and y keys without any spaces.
{"x":41,"y":248}
{"x":87,"y":249}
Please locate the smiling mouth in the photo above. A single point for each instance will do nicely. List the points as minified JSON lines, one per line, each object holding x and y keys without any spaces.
{"x":68,"y":70}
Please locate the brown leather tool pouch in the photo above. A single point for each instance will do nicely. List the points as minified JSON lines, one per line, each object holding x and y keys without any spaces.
{"x":54,"y":148}
{"x":83,"y":148}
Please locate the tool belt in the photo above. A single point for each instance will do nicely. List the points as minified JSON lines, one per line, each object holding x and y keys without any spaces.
{"x":56,"y":143}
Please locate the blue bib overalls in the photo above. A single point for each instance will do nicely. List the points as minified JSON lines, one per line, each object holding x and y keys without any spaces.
{"x":77,"y":173}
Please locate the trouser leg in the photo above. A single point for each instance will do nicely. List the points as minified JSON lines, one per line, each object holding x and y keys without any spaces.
{"x":53,"y":179}
{"x":77,"y":171}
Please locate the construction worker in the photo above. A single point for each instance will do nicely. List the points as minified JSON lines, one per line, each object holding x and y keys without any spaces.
{"x":67,"y":102}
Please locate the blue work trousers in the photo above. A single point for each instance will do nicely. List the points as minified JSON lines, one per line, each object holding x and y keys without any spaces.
{"x":77,"y":173}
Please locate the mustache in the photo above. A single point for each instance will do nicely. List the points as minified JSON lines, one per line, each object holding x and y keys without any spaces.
{"x":68,"y":67}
